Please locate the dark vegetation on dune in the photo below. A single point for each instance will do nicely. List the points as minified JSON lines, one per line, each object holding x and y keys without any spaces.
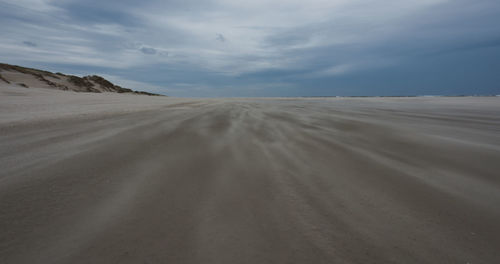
{"x":83,"y":83}
{"x":91,"y":83}
{"x":3,"y":79}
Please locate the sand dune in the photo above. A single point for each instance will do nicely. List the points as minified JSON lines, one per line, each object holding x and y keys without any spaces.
{"x":13,"y":75}
{"x":112,"y":178}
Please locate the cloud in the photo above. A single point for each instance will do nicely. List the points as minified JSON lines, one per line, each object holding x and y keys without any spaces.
{"x":148,"y":50}
{"x":337,"y":70}
{"x":282,"y":41}
{"x":30,"y":44}
{"x":220,"y":37}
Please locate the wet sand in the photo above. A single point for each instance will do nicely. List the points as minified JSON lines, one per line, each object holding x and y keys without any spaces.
{"x":323,"y":180}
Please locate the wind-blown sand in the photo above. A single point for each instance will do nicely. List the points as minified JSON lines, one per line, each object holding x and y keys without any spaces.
{"x":113,"y":178}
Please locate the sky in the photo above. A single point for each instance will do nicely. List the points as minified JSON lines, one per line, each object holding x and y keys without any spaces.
{"x":235,"y":48}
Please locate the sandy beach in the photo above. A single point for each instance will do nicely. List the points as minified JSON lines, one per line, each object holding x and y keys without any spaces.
{"x":121,"y":178}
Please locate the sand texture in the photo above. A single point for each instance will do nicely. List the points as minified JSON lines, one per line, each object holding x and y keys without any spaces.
{"x":114,"y":178}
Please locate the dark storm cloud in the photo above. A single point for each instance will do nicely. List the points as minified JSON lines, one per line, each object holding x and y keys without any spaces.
{"x":220,"y":37}
{"x":147,"y":50}
{"x":30,"y":43}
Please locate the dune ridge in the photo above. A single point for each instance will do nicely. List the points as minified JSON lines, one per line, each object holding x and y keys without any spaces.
{"x":28,"y":77}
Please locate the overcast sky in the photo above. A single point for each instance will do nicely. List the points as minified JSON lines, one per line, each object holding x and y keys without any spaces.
{"x":262,"y":48}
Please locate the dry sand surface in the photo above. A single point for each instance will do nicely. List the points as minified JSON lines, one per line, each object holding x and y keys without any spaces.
{"x":110,"y":178}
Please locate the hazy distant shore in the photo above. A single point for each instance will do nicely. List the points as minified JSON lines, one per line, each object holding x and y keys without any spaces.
{"x":119,"y":178}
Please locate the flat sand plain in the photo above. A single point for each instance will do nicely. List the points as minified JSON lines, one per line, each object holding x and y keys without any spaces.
{"x":110,"y":178}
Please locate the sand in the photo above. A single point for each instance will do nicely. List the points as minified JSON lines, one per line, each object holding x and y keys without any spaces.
{"x":112,"y":178}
